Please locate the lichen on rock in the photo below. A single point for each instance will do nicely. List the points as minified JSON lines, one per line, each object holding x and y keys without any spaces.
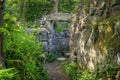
{"x":95,"y":34}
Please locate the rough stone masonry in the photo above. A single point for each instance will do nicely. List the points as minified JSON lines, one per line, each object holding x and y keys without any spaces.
{"x":52,"y":41}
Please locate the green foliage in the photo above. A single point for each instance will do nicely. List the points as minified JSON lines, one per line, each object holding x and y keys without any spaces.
{"x":51,"y":57}
{"x":112,"y":37}
{"x":21,"y":49}
{"x":108,"y":72}
{"x":108,"y":38}
{"x":75,"y":73}
{"x":36,"y":8}
{"x":61,"y":27}
{"x":29,"y":10}
{"x":11,"y":10}
{"x":67,"y":5}
{"x":31,"y":24}
{"x":21,"y":52}
{"x":71,"y":70}
{"x":79,"y":5}
{"x":6,"y":74}
{"x":87,"y":75}
{"x":3,"y":30}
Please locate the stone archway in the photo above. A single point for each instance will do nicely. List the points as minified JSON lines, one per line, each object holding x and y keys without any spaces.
{"x":48,"y":22}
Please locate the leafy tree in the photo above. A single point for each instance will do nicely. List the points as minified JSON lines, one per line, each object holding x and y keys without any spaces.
{"x":67,"y":5}
{"x":32,"y":9}
{"x":36,"y":8}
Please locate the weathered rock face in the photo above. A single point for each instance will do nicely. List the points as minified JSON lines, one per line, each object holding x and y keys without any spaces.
{"x":95,"y":33}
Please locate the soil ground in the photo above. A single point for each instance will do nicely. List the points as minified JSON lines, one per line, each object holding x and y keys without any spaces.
{"x":55,"y":71}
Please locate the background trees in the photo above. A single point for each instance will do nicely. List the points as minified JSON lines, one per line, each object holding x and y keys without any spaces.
{"x":31,"y":9}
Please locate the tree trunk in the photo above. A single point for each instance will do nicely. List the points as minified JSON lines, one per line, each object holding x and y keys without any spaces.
{"x":1,"y":34}
{"x":21,"y":9}
{"x":55,"y":10}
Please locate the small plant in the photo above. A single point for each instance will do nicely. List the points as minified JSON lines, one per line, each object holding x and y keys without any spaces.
{"x":6,"y":74}
{"x":87,"y":75}
{"x":71,"y":70}
{"x":74,"y":73}
{"x":61,"y":27}
{"x":51,"y":58}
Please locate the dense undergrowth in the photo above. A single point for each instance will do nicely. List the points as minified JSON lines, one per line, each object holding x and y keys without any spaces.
{"x":75,"y":72}
{"x":21,"y":52}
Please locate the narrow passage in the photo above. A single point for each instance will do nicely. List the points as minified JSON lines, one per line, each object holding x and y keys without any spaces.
{"x":55,"y":71}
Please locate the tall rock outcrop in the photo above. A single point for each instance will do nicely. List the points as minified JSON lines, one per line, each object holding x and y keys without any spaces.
{"x":95,"y":33}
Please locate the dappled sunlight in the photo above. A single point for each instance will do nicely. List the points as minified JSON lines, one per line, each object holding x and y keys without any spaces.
{"x":91,"y":65}
{"x":60,"y":39}
{"x":118,"y":58}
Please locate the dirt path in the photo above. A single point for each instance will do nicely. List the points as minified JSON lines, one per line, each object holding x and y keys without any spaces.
{"x":55,"y":71}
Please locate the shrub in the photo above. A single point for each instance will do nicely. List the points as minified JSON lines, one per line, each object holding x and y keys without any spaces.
{"x":21,"y":51}
{"x":51,"y":58}
{"x":71,"y":70}
{"x":75,"y":73}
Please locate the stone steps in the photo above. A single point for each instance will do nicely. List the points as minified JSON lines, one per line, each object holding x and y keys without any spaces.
{"x":66,"y":56}
{"x":61,"y":59}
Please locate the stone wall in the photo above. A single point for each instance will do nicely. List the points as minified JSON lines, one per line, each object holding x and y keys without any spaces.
{"x":95,"y":33}
{"x":60,"y":43}
{"x":56,"y":42}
